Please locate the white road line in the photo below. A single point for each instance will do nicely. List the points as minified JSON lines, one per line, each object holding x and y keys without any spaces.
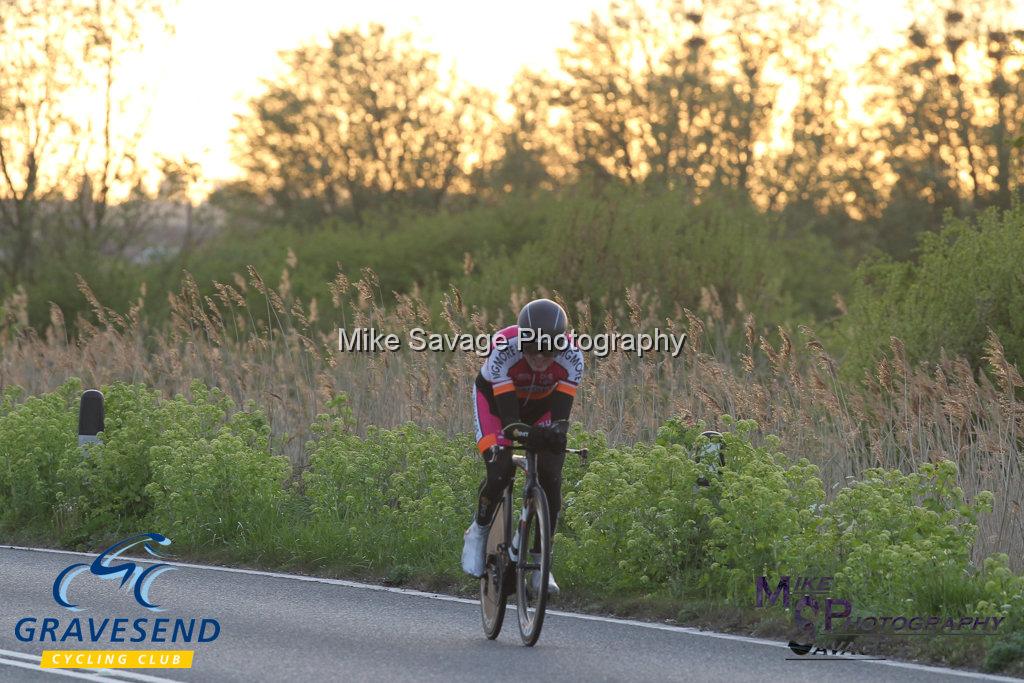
{"x":574,"y":615}
{"x":58,"y":672}
{"x":117,"y":674}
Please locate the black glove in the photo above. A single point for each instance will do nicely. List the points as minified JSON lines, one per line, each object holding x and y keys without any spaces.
{"x":546,"y":439}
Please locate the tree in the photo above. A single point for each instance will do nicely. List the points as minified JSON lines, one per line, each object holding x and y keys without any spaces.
{"x":180,"y":176}
{"x":944,"y":105}
{"x":662,"y":99}
{"x":363,"y":122}
{"x":531,"y":158}
{"x":636,"y":94}
{"x":61,"y":166}
{"x":35,"y":74}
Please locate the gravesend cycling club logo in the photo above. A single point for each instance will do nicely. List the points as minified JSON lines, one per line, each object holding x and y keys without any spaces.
{"x":136,"y":577}
{"x":133,"y":576}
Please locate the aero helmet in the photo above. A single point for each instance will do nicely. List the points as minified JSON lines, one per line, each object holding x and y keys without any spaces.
{"x":547,"y":320}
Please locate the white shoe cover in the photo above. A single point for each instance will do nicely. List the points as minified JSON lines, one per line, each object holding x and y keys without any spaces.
{"x":474,"y":549}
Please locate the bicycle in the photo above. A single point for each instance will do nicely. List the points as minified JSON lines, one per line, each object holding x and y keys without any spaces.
{"x":503,"y":575}
{"x":712,"y":455}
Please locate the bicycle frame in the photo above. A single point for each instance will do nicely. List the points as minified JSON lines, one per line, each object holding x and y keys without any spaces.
{"x":503,"y":575}
{"x":528,"y":463}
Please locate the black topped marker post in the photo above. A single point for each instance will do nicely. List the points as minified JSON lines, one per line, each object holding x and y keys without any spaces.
{"x":90,"y":417}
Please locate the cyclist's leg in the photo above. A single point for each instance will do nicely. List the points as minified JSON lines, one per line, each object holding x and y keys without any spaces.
{"x":549,"y":474}
{"x":497,"y":457}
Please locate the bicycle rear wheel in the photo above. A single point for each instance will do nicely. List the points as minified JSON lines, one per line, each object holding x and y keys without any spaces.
{"x":492,"y":594}
{"x":531,"y":604}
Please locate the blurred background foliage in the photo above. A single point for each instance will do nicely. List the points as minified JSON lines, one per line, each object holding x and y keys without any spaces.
{"x":716,"y":157}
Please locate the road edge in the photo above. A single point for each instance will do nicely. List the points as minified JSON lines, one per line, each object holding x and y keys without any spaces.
{"x":575,"y":615}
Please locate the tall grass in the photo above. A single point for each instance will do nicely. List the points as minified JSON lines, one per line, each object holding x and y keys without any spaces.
{"x":275,"y":353}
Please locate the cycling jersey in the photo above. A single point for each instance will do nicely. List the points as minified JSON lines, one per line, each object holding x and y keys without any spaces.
{"x":506,"y":370}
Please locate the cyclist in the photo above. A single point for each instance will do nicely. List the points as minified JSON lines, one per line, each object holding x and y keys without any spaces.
{"x":530,"y":381}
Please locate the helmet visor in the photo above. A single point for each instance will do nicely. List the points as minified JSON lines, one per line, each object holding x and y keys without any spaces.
{"x":543,"y":344}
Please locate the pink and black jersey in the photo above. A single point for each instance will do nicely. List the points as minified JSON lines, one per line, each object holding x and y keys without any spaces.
{"x":507,"y":370}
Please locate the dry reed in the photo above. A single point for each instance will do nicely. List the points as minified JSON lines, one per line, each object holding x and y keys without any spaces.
{"x":279,"y":358}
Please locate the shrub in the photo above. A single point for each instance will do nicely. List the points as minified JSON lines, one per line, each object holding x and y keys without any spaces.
{"x":597,"y":243}
{"x":1003,"y":591}
{"x":41,"y":468}
{"x":904,"y":540}
{"x":214,"y":478}
{"x":1005,"y":652}
{"x":395,"y":503}
{"x":195,"y":469}
{"x":632,"y":523}
{"x":395,"y":497}
{"x":758,"y":512}
{"x":639,"y":520}
{"x":965,"y":282}
{"x":119,"y":468}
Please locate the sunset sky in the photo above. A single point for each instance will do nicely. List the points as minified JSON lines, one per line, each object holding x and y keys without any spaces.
{"x":201,"y":77}
{"x":215,"y":60}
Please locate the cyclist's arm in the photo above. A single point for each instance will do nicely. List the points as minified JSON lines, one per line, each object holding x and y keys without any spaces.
{"x":508,"y":408}
{"x":496,"y":372}
{"x":561,"y":406}
{"x":565,"y":391}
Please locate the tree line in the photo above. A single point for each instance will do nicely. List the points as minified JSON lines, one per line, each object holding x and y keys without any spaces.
{"x":367,"y":127}
{"x":673,"y":98}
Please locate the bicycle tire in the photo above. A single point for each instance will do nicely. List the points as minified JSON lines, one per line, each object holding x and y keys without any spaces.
{"x":531,"y":618}
{"x":493,"y":597}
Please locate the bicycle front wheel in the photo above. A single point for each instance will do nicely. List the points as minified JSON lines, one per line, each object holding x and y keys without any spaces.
{"x":532,"y":570}
{"x":492,"y":583}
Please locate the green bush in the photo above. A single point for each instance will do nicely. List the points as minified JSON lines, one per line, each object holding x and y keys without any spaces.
{"x":966,"y":281}
{"x":394,"y":498}
{"x":194,"y":469}
{"x":764,"y":504}
{"x":1006,"y":651}
{"x":631,"y":523}
{"x":214,"y":479}
{"x":407,"y":250}
{"x":586,"y":243}
{"x":904,"y":540}
{"x":1003,"y":591}
{"x":597,"y":243}
{"x":119,"y":468}
{"x":40,"y":465}
{"x":639,"y":521}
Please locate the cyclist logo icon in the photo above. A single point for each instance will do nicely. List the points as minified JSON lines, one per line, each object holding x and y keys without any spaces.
{"x":132,"y":575}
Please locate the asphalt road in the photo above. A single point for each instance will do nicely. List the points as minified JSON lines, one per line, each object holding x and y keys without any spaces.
{"x":278,"y":627}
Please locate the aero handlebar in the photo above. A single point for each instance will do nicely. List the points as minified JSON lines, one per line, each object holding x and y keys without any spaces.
{"x":519,"y":431}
